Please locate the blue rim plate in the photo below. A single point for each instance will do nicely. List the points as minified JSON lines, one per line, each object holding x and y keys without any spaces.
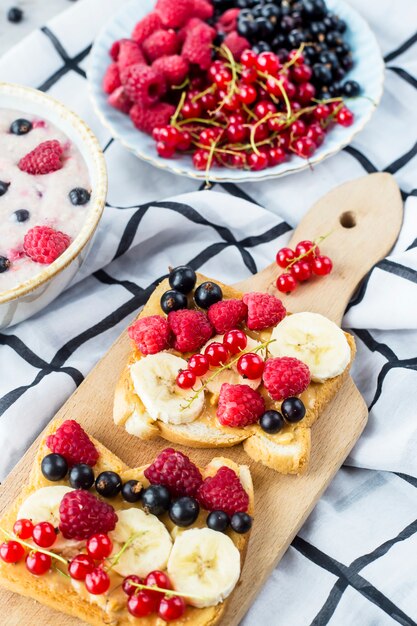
{"x":368,"y":70}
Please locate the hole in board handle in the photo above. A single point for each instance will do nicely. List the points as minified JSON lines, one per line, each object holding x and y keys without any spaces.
{"x":348,"y":219}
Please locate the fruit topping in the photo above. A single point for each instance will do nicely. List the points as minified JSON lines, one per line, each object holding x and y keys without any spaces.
{"x":80,"y":566}
{"x":250,"y":366}
{"x":127,"y":585}
{"x":44,"y":244}
{"x":3,"y":187}
{"x":131,"y":491}
{"x":4,"y":264}
{"x":285,"y":376}
{"x":239,"y":405}
{"x":293,"y":409}
{"x":173,"y":300}
{"x":271,"y":422}
{"x":241,"y":522}
{"x":54,"y":467}
{"x":150,"y":334}
{"x":216,"y":353}
{"x":301,"y":264}
{"x":198,"y":364}
{"x":21,"y":215}
{"x":82,"y":515}
{"x":207,"y":294}
{"x":156,"y":499}
{"x":11,"y":552}
{"x":23,"y":528}
{"x":99,"y":546}
{"x":44,"y":159}
{"x":186,"y":379}
{"x":108,"y":484}
{"x":97,"y":582}
{"x":174,"y":470}
{"x":235,"y":341}
{"x":184,"y":511}
{"x":79,"y":195}
{"x":81,"y":476}
{"x":38,"y":563}
{"x":21,"y":127}
{"x":73,"y":443}
{"x":227,"y":314}
{"x":191,"y":329}
{"x":224,"y":492}
{"x":264,"y":310}
{"x":183,"y":278}
{"x":44,"y":534}
{"x":218,"y":520}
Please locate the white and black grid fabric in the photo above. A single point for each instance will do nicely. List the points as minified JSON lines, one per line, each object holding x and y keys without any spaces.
{"x":355,"y":560}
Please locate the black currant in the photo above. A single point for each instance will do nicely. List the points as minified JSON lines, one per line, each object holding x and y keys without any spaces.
{"x":3,"y":187}
{"x":183,"y":278}
{"x":173,"y":300}
{"x":4,"y":264}
{"x":21,"y":215}
{"x":261,"y":46}
{"x":79,"y":195}
{"x":54,"y":467}
{"x":21,"y":127}
{"x":184,"y":511}
{"x":271,"y":422}
{"x":218,"y":520}
{"x":351,"y":89}
{"x":131,"y":491}
{"x":156,"y":499}
{"x":81,"y":476}
{"x":108,"y":484}
{"x":206,"y":294}
{"x":15,"y":15}
{"x":293,"y":409}
{"x":241,"y":522}
{"x":322,"y":74}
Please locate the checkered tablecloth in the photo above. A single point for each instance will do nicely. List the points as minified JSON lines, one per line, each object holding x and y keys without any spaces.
{"x":354,"y":563}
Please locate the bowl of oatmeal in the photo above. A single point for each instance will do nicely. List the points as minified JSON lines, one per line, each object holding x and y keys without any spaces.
{"x":53,"y":185}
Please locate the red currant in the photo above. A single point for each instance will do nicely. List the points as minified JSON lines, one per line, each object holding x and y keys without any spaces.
{"x":301,"y":270}
{"x":23,"y":528}
{"x":198,"y":364}
{"x":231,"y":102}
{"x":236,"y":118}
{"x":250,"y":366}
{"x":304,"y":147}
{"x":44,"y":534}
{"x":142,"y":603}
{"x":164,"y":150}
{"x":222,"y":78}
{"x":200,"y":159}
{"x":345,"y":117}
{"x":248,"y":58}
{"x":321,"y":112}
{"x":296,"y":56}
{"x":268,"y":62}
{"x":127,"y":586}
{"x":285,"y":86}
{"x":97,"y":581}
{"x":273,"y":86}
{"x":316,"y":133}
{"x":157,"y":579}
{"x":184,"y":141}
{"x":208,"y":101}
{"x":322,"y":265}
{"x":304,"y":247}
{"x":155,"y":133}
{"x":191,"y":109}
{"x":264,"y":107}
{"x":237,"y":160}
{"x":235,"y":341}
{"x":285,"y":141}
{"x":215,"y":67}
{"x":257,"y":162}
{"x":80,"y":566}
{"x":99,"y":546}
{"x":285,"y":256}
{"x":169,"y":135}
{"x":261,"y":132}
{"x":185,"y":379}
{"x":305,"y":93}
{"x":286,"y":283}
{"x":236,"y":133}
{"x":276,"y":124}
{"x":301,"y":73}
{"x":249,"y":75}
{"x":11,"y":552}
{"x":298,"y":128}
{"x":216,"y":353}
{"x":38,"y":563}
{"x":276,"y":156}
{"x":208,"y":136}
{"x":247,"y":94}
{"x":171,"y":608}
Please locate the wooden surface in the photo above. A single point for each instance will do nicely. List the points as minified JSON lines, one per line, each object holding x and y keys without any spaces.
{"x":282,"y":502}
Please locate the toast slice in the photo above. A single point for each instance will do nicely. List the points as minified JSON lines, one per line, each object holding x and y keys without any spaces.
{"x":287,"y":452}
{"x":61,"y":593}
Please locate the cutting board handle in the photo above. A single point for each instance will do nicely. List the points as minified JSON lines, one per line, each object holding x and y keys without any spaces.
{"x":363,"y":217}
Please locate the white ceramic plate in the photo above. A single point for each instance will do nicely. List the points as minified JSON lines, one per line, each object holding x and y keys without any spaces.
{"x":368,"y":71}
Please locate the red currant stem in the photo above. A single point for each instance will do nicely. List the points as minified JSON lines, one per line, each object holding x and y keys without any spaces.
{"x":200,"y":120}
{"x":317,"y":242}
{"x":283,"y":92}
{"x":295,"y":57}
{"x":178,"y":109}
{"x":326,"y":100}
{"x":332,"y":116}
{"x":166,"y":592}
{"x":261,"y":346}
{"x":210,"y":89}
{"x":253,"y":131}
{"x":232,"y":85}
{"x":124,"y":547}
{"x":183,"y":84}
{"x":32,"y":547}
{"x":61,"y":572}
{"x":248,"y":111}
{"x":210,"y":160}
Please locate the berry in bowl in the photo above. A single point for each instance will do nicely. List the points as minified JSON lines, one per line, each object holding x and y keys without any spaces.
{"x":53,"y":184}
{"x":236,"y":90}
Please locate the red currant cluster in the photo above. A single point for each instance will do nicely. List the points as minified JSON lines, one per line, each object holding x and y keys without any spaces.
{"x":44,"y":535}
{"x":252,"y":114}
{"x":250,"y":365}
{"x":143,"y":601}
{"x":301,"y":264}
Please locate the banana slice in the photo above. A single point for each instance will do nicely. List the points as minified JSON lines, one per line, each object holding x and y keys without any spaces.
{"x":154,"y":379}
{"x":205,"y":564}
{"x":43,"y":506}
{"x":314,"y":340}
{"x":231,"y":375}
{"x":150,"y":543}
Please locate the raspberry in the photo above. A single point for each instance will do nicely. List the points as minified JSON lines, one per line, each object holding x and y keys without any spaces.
{"x":228,"y":21}
{"x":114,"y":50}
{"x":83,"y":515}
{"x":191,"y":329}
{"x":161,"y":43}
{"x":264,"y":310}
{"x":72,"y":442}
{"x":150,"y":334}
{"x":143,"y":84}
{"x":239,"y":405}
{"x":203,"y":9}
{"x":174,"y":13}
{"x":175,"y":471}
{"x":227,"y":314}
{"x":285,"y":377}
{"x":146,"y":26}
{"x":44,"y":244}
{"x":119,"y":100}
{"x":173,"y":68}
{"x":188,"y":26}
{"x":111,"y":80}
{"x":148,"y":118}
{"x":129,"y":54}
{"x":197,"y":45}
{"x":44,"y":159}
{"x":236,"y":44}
{"x":223,"y":492}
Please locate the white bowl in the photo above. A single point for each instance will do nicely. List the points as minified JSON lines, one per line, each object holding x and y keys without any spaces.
{"x":31,"y":296}
{"x":368,"y":71}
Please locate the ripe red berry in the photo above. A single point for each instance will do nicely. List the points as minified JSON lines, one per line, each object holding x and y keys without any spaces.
{"x":237,"y":160}
{"x":185,"y":379}
{"x":257,"y":162}
{"x":322,"y":265}
{"x":198,"y":364}
{"x":23,"y":528}
{"x":247,"y":94}
{"x":276,"y":124}
{"x":305,"y":93}
{"x":142,"y":603}
{"x":236,"y":133}
{"x":276,"y":156}
{"x":301,"y":270}
{"x":250,"y":366}
{"x":164,"y":150}
{"x":184,"y":141}
{"x":157,"y":579}
{"x":97,"y":581}
{"x":296,"y":56}
{"x":285,"y":256}
{"x":171,"y":608}
{"x":191,"y":109}
{"x":44,"y":534}
{"x":268,"y":62}
{"x":216,"y":353}
{"x":316,"y":133}
{"x":264,"y":107}
{"x":235,"y":341}
{"x":248,"y":58}
{"x":301,"y":73}
{"x":215,"y":67}
{"x":80,"y":566}
{"x":127,"y":586}
{"x":345,"y":117}
{"x":11,"y":552}
{"x":169,"y":135}
{"x":303,"y":247}
{"x":249,"y":75}
{"x":321,"y":112}
{"x":222,"y":78}
{"x":208,"y":102}
{"x":99,"y":546}
{"x":286,"y":283}
{"x":38,"y":563}
{"x":304,"y":147}
{"x":200,"y":159}
{"x":298,"y":128}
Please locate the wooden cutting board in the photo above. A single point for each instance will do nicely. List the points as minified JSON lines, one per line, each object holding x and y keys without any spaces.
{"x":364,"y":217}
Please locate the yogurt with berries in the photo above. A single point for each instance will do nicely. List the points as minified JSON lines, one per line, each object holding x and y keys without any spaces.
{"x":44,"y":195}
